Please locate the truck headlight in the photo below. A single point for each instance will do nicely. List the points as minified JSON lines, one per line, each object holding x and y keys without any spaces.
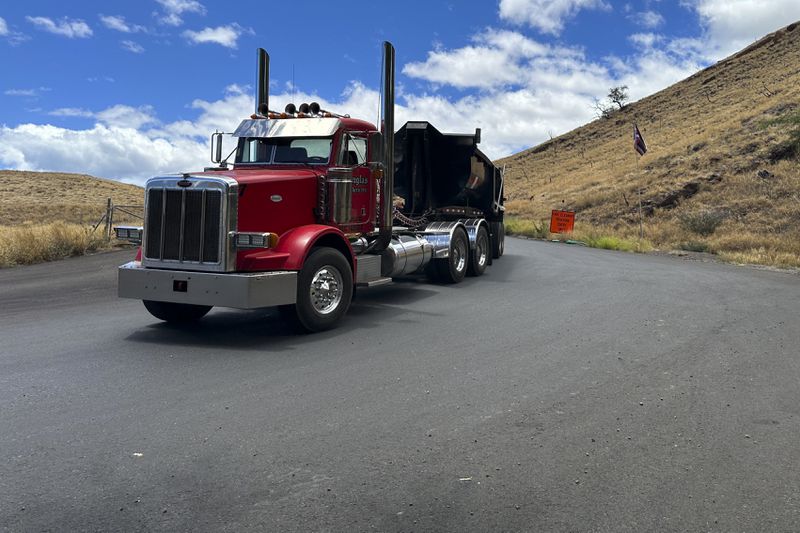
{"x":245,"y":240}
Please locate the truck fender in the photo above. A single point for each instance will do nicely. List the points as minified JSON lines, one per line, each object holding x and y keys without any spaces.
{"x":472,"y":225}
{"x":298,"y":242}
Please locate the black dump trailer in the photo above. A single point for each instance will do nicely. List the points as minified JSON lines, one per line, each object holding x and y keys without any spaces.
{"x":445,"y":175}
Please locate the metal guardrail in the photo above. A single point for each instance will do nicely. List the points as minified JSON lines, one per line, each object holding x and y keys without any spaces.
{"x":108,"y":217}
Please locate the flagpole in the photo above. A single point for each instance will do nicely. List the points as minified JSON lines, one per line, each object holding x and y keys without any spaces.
{"x":641,"y":148}
{"x":641,"y":224}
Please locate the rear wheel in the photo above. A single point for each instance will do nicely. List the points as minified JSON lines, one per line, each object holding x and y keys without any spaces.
{"x":176,"y":313}
{"x":481,"y":255}
{"x":454,"y":268}
{"x":324,"y":291}
{"x":498,"y":239}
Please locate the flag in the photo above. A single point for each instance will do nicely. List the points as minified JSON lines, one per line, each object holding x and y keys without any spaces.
{"x":638,"y":141}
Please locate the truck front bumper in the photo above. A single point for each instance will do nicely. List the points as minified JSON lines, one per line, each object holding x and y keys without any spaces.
{"x":240,"y":290}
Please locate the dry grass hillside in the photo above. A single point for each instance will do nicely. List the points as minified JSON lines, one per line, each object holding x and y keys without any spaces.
{"x":39,"y":197}
{"x":721,"y":173}
{"x":46,"y":215}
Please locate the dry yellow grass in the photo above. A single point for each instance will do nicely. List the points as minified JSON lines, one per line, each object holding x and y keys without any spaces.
{"x":35,"y":243}
{"x":712,"y":129}
{"x":46,"y":215}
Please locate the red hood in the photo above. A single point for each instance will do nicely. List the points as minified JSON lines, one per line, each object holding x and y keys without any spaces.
{"x":265,"y":175}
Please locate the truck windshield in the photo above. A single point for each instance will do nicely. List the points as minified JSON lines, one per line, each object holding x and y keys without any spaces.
{"x":261,"y":151}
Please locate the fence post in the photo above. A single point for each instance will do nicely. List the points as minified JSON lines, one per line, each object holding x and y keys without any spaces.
{"x":109,"y":210}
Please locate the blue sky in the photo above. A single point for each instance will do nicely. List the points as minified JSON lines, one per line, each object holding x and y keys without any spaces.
{"x":126,"y":90}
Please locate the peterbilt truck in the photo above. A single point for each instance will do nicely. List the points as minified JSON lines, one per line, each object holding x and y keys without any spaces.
{"x":314,"y":205}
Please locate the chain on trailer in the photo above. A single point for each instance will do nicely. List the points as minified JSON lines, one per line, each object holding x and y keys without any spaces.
{"x":412,"y":222}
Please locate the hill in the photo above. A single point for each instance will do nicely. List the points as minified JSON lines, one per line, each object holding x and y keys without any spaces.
{"x":41,"y":197}
{"x":720,"y":175}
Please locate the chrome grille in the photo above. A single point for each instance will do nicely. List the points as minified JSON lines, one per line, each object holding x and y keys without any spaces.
{"x":187,"y":227}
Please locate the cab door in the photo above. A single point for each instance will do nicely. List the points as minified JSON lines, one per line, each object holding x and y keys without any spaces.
{"x":354,"y":155}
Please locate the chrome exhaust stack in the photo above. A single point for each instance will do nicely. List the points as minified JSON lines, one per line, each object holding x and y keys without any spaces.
{"x":262,"y":83}
{"x":387,"y":130}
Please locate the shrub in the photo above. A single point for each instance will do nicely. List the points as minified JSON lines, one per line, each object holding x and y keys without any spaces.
{"x":694,"y":246}
{"x":703,"y":222}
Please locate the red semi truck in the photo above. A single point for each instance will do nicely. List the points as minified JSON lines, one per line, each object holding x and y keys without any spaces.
{"x":314,"y":205}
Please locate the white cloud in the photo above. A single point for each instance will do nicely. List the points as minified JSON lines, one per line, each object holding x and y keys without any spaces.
{"x":493,"y":60}
{"x":548,"y":16}
{"x":222,"y":35}
{"x":118,"y":116}
{"x":118,"y":23}
{"x":500,"y":59}
{"x":647,"y":19}
{"x":71,"y":28}
{"x":173,"y":9}
{"x":71,"y":112}
{"x":30,"y":93}
{"x":12,"y":37}
{"x":731,"y":25}
{"x":20,"y":92}
{"x":132,"y":46}
{"x":115,"y":152}
{"x":647,"y":40}
{"x":123,"y":116}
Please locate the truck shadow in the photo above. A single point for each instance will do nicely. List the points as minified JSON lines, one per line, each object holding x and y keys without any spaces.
{"x":265,"y":330}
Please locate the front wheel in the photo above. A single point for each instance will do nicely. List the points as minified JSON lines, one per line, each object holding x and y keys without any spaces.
{"x":176,"y":313}
{"x":324,"y":291}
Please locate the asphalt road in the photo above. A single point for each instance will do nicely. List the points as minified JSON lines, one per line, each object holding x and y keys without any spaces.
{"x":568,"y":389}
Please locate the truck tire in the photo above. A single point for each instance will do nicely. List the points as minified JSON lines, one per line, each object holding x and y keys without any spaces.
{"x":454,"y":268}
{"x":176,"y":313}
{"x":482,"y":254}
{"x":498,"y":239}
{"x":324,"y":291}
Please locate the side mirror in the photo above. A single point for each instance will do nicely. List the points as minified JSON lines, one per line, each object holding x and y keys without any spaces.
{"x":376,"y":147}
{"x":216,"y":147}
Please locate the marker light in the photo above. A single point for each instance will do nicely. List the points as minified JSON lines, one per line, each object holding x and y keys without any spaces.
{"x":129,"y":233}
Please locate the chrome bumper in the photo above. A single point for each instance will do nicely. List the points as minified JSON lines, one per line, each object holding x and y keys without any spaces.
{"x":243,"y":291}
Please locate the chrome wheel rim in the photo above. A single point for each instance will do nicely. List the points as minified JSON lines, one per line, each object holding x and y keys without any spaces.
{"x":483,"y":253}
{"x":460,"y":256}
{"x":326,"y":290}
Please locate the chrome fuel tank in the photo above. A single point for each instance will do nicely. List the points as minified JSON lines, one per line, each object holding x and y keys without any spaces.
{"x":406,"y":254}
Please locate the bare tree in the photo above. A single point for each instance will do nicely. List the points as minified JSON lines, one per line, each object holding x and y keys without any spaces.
{"x":601,"y":110}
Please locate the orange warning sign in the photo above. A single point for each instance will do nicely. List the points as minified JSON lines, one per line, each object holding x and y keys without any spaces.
{"x":562,"y":221}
